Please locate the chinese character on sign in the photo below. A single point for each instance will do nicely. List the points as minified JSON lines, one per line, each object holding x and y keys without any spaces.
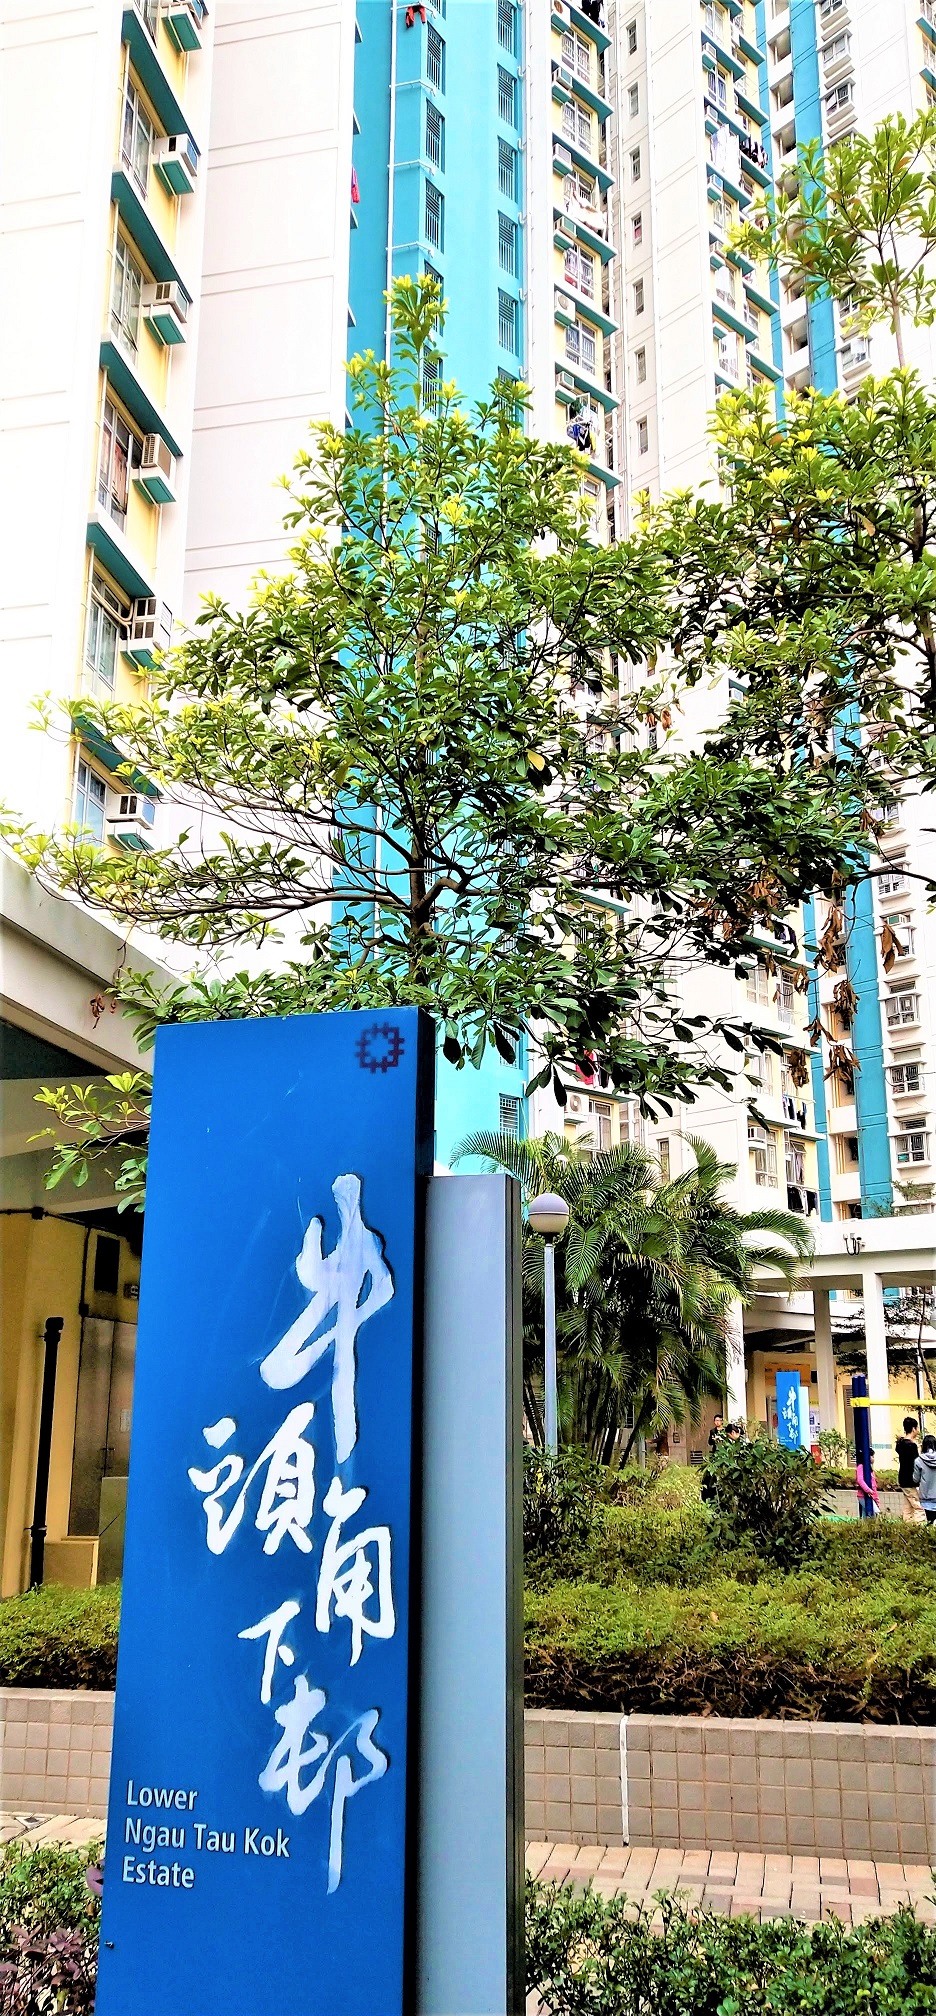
{"x":284,"y":1772}
{"x":287,"y":1500}
{"x":354,"y":1585}
{"x":337,"y":1307}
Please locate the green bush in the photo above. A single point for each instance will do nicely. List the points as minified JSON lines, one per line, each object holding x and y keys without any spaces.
{"x":648,"y":1546}
{"x":800,"y":1644}
{"x":60,"y":1637}
{"x":561,"y":1505}
{"x":589,"y":1957}
{"x":49,"y":1923}
{"x":765,"y":1497}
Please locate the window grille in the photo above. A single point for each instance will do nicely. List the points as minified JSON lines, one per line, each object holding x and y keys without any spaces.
{"x":507,"y":245}
{"x":508,"y":321}
{"x":435,"y":58}
{"x":507,"y":26}
{"x":434,"y":216}
{"x":435,"y":136}
{"x":506,"y":96}
{"x":510,"y":1116}
{"x":507,"y":170}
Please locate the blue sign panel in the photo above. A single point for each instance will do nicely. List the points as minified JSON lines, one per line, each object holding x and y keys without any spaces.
{"x":788,"y":1410}
{"x":256,"y":1840}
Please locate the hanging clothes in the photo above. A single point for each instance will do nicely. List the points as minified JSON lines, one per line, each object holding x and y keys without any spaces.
{"x":355,"y":187}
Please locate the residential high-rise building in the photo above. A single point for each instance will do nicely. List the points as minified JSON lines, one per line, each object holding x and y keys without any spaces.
{"x":102,"y":200}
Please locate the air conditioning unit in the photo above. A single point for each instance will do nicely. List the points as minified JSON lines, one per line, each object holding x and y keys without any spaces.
{"x":575,"y":1103}
{"x":149,"y":630}
{"x":175,"y":159}
{"x":565,"y":381}
{"x":562,"y":154}
{"x":130,"y":819}
{"x":184,"y":21}
{"x":566,"y":76}
{"x":156,"y":475}
{"x":165,"y":309}
{"x":566,"y":228}
{"x":565,"y":306}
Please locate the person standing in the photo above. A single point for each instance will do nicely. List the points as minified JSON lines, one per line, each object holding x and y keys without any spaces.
{"x":908,"y":1450}
{"x":716,"y":1432}
{"x":924,"y":1477}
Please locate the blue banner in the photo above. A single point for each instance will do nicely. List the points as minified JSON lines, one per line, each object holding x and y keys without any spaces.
{"x":789,"y":1430}
{"x":256,"y":1841}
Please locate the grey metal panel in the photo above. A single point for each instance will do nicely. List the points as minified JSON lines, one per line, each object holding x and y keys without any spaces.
{"x":470,"y":1803}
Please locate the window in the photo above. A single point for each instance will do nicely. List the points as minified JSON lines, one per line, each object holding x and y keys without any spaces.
{"x":599,"y":1113}
{"x":912,"y":1147}
{"x":507,"y":166}
{"x":126,"y":295}
{"x":632,"y":38}
{"x":431,"y":273}
{"x":507,"y":26}
{"x":784,"y":998}
{"x":114,"y":464}
{"x":637,"y":227}
{"x":763,"y":1153}
{"x":663,"y":1157}
{"x":580,"y":270}
{"x":434,"y":216}
{"x":635,"y":164}
{"x":510,"y":1116}
{"x":507,"y":244}
{"x":507,"y":97}
{"x":106,"y":1265}
{"x":901,"y":1010}
{"x":901,"y":924}
{"x":104,"y":629}
{"x":431,"y":382}
{"x":435,"y":136}
{"x":831,"y":51}
{"x":757,"y":987}
{"x":718,"y":88}
{"x":906,"y":1078}
{"x":638,"y":297}
{"x":508,"y":322}
{"x":643,"y":436}
{"x":90,"y":800}
{"x":842,"y":95}
{"x":580,"y":346}
{"x":640,"y":365}
{"x":633,"y":100}
{"x":137,"y":137}
{"x":576,"y":55}
{"x":435,"y":58}
{"x":577,"y":127}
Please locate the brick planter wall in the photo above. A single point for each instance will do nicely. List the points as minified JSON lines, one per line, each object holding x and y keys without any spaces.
{"x":662,"y":1781}
{"x":54,"y":1751}
{"x":808,"y":1788}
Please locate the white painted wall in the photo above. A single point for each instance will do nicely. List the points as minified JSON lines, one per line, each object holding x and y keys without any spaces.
{"x":273,"y":332}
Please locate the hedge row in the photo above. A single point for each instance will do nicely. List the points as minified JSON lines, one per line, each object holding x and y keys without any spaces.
{"x":60,"y":1638}
{"x":588,"y":1957}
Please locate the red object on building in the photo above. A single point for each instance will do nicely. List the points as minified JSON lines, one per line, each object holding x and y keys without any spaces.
{"x":412,"y":12}
{"x":355,"y":187}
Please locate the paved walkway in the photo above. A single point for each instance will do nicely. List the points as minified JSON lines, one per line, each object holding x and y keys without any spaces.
{"x":764,"y":1886}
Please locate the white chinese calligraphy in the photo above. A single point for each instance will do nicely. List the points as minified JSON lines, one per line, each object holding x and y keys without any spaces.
{"x":272,"y":1629}
{"x":284,"y":1772}
{"x":338,"y":1306}
{"x":287,"y":1500}
{"x":345,"y":1578}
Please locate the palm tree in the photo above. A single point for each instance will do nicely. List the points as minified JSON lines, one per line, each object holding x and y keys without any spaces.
{"x":650,"y":1272}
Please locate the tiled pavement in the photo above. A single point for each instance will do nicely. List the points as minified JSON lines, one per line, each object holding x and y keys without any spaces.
{"x":765,"y":1886}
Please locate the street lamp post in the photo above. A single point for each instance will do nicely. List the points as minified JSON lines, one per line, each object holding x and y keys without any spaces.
{"x":549,"y":1215}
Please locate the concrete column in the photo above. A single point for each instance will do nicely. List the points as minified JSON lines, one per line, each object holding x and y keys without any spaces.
{"x":876,"y":1355}
{"x":825,"y":1361}
{"x":735,"y":1372}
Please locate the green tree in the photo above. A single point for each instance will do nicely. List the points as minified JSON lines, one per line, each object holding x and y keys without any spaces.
{"x":414,"y":755}
{"x":649,"y":1273}
{"x":857,"y":221}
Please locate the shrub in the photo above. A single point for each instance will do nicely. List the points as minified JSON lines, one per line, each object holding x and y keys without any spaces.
{"x":48,"y":1931}
{"x":649,"y":1546}
{"x":766,"y":1497}
{"x":60,"y":1637}
{"x":560,"y":1504}
{"x":591,"y":1957}
{"x":801,"y":1645}
{"x":669,"y":1486}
